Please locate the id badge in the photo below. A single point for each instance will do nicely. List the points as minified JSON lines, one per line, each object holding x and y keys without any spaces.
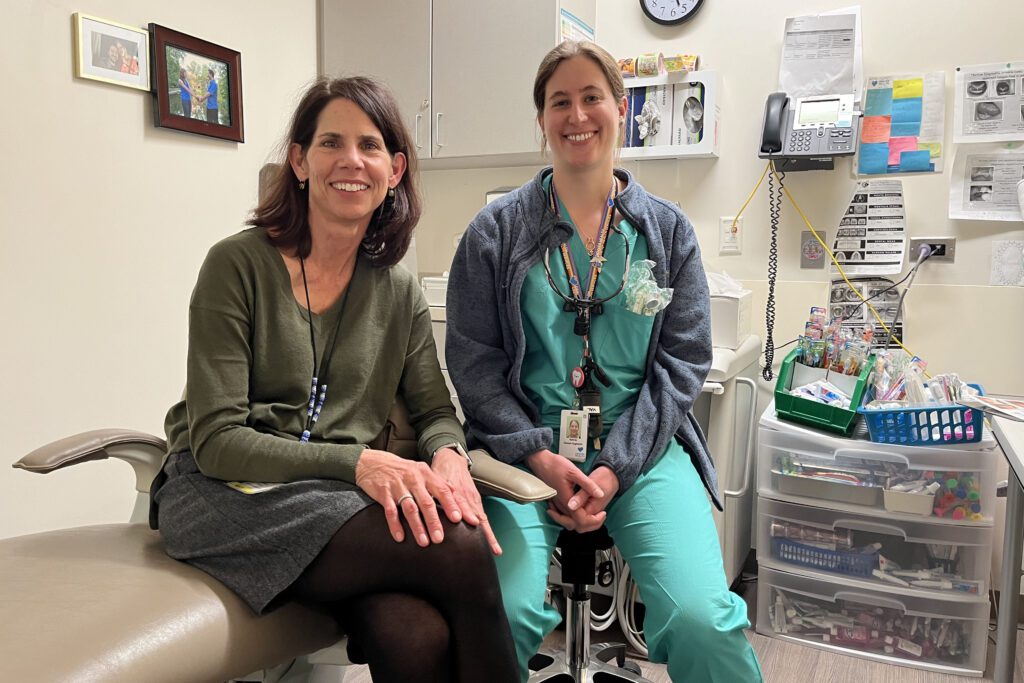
{"x":572,"y":442}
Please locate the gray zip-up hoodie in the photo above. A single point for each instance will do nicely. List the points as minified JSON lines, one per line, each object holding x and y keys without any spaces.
{"x":486,"y":344}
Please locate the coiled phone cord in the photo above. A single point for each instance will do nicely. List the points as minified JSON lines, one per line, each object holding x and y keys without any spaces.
{"x":775,"y":208}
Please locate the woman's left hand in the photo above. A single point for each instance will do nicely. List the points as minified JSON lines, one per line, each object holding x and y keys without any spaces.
{"x":454,"y":468}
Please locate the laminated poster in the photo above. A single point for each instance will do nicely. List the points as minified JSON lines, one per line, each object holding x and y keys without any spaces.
{"x":989,"y":103}
{"x":845,"y":304}
{"x":871,"y":234}
{"x":903,"y":125}
{"x":984,"y":182}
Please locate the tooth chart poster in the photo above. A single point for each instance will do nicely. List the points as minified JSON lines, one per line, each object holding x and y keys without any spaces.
{"x":989,"y":103}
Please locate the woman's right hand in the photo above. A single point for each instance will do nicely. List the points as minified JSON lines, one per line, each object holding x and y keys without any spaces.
{"x":411,"y":485}
{"x":565,"y":478}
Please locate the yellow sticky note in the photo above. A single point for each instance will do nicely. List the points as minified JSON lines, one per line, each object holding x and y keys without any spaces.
{"x":934,"y":148}
{"x":910,"y":87}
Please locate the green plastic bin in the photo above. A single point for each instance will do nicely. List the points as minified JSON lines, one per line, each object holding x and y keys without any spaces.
{"x":812,"y":413}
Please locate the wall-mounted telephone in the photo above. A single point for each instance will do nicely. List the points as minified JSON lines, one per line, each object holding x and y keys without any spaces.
{"x":806,"y":133}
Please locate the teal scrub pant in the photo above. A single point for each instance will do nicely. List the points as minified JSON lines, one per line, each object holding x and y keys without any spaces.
{"x":663,"y":527}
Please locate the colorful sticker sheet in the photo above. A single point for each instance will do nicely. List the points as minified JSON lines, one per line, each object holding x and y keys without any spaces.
{"x":902,"y":127}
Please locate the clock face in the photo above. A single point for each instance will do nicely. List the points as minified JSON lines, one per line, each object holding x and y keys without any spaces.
{"x":670,"y":12}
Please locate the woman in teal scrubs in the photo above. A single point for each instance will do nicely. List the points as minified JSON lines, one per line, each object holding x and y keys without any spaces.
{"x":527,"y":342}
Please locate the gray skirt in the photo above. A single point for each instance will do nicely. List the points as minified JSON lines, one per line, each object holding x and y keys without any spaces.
{"x":255,"y":544}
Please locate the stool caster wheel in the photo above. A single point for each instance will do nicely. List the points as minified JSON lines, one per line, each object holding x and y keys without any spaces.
{"x":632,"y":667}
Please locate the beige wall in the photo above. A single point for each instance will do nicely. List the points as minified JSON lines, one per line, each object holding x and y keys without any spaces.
{"x":105,"y":220}
{"x":742,"y":40}
{"x":954,"y":319}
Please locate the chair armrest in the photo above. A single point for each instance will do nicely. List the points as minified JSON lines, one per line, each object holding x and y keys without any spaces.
{"x":144,"y":452}
{"x":495,"y":478}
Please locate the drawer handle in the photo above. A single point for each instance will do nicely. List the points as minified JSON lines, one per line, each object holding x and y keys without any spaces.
{"x":875,"y":600}
{"x":861,"y":454}
{"x":862,"y":525}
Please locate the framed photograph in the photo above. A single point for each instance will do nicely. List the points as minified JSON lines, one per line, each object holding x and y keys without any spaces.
{"x":197,"y":86}
{"x":111,"y":52}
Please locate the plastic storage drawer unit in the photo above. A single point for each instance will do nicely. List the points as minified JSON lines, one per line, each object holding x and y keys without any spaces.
{"x":942,"y":636}
{"x":941,"y":561}
{"x":955,"y":484}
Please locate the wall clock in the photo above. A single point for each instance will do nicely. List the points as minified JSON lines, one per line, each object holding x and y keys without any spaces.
{"x":670,"y":12}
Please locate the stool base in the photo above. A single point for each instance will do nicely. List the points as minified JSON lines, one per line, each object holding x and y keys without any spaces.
{"x":554,"y":667}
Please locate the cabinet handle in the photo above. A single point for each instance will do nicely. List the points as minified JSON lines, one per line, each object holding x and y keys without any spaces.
{"x":437,"y":130}
{"x":419,"y":118}
{"x":751,"y":439}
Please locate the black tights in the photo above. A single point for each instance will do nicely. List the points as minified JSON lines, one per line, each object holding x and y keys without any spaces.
{"x":417,"y":614}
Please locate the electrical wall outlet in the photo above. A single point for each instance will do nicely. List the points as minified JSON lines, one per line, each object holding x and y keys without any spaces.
{"x":730,"y":239}
{"x":943,"y":248}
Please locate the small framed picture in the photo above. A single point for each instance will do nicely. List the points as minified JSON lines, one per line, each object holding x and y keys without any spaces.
{"x":197,"y":85}
{"x":111,"y":52}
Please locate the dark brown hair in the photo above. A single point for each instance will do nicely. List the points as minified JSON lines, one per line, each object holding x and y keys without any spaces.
{"x":567,"y":50}
{"x":284,"y":211}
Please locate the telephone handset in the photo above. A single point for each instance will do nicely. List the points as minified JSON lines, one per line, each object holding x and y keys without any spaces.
{"x":776,"y":112}
{"x":807,"y":132}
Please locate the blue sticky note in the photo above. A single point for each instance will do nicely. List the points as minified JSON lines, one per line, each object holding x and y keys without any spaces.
{"x":920,"y":160}
{"x":874,"y":158}
{"x":878,"y":102}
{"x":905,"y":110}
{"x":905,"y":129}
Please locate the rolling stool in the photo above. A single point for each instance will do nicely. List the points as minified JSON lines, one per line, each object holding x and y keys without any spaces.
{"x":581,"y":663}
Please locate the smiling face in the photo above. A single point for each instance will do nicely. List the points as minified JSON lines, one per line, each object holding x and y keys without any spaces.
{"x":581,"y":120}
{"x":347,"y":168}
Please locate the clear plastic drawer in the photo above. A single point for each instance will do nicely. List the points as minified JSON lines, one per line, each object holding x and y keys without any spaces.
{"x":942,"y":636}
{"x":941,"y":484}
{"x":922,"y":558}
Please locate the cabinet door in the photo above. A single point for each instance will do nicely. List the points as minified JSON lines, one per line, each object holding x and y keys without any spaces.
{"x":388,"y":40}
{"x":485,"y":55}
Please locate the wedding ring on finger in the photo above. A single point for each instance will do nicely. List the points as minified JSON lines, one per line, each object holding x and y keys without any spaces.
{"x":400,"y":500}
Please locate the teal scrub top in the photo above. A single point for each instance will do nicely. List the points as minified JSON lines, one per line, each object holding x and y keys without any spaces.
{"x":619,"y":338}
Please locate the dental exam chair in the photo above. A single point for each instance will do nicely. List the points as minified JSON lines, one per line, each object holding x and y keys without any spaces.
{"x":105,"y":603}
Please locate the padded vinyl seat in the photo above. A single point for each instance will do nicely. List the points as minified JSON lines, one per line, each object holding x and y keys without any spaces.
{"x":105,"y":603}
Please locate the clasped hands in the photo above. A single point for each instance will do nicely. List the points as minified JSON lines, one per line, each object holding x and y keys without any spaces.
{"x":580,"y":500}
{"x":415,"y":489}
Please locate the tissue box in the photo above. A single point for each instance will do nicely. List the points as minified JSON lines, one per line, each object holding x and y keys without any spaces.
{"x":730,"y":319}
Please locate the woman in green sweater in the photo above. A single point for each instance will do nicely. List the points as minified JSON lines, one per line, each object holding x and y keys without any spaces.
{"x":301,"y":335}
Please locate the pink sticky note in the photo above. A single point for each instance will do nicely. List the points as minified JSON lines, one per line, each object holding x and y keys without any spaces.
{"x":897,"y":145}
{"x":875,"y":128}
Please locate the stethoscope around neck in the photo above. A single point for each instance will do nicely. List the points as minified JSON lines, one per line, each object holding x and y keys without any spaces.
{"x":584,"y":307}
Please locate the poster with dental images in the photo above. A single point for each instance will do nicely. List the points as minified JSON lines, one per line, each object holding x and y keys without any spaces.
{"x":983,"y":186}
{"x":871,"y":234}
{"x":884,"y":297}
{"x":989,"y":103}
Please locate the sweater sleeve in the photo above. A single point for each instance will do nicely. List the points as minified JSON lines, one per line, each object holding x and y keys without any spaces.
{"x":426,"y":395}
{"x":220,"y":360}
{"x":681,"y":362}
{"x":477,"y":361}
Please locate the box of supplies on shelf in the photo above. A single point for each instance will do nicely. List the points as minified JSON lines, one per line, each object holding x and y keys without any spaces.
{"x":435,"y":289}
{"x":805,"y":411}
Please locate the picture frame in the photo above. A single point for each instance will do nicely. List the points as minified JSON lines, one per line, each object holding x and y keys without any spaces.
{"x":110,"y":52}
{"x":190,"y":75}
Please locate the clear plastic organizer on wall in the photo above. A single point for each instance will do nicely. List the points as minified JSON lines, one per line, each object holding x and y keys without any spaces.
{"x":942,"y":636}
{"x":809,"y":467}
{"x":923,"y":558}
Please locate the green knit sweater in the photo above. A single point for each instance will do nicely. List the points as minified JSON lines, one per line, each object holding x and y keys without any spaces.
{"x":250,"y":363}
